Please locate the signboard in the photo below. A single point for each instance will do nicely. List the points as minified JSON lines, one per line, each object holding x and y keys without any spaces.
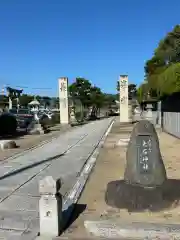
{"x":123,"y":82}
{"x":63,"y":86}
{"x":124,"y":111}
{"x":63,"y":100}
{"x":144,"y":154}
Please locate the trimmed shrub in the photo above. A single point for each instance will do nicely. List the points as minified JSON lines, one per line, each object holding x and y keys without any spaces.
{"x":8,"y":124}
{"x":55,"y":118}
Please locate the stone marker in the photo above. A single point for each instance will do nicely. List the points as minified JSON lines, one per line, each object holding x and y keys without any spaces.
{"x":144,"y":165}
{"x":7,"y":144}
{"x":50,"y":207}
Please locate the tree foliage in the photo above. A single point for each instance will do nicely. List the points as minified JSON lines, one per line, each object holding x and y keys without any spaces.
{"x":81,"y":89}
{"x":132,"y":89}
{"x":90,"y":95}
{"x":162,"y":71}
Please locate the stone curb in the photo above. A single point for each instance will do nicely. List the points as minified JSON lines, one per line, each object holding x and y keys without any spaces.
{"x":72,"y":198}
{"x":135,"y":230}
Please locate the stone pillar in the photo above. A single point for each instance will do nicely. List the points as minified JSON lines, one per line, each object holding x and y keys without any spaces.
{"x":63,"y":100}
{"x":123,"y":91}
{"x":159,"y":114}
{"x":50,"y":207}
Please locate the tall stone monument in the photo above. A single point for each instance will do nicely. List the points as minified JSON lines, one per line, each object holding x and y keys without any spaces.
{"x":123,"y":92}
{"x":63,"y":100}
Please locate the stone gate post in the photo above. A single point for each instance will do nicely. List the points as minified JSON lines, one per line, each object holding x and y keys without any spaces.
{"x":123,"y":92}
{"x":63,"y":100}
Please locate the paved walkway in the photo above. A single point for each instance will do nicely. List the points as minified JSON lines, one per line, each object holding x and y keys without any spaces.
{"x":19,"y":177}
{"x":27,"y":141}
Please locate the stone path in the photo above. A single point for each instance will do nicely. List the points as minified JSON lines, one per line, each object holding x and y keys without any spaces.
{"x":19,"y":177}
{"x":28,"y":141}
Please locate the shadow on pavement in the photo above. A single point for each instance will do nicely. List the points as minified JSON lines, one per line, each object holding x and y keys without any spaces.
{"x":75,"y":210}
{"x":31,"y":166}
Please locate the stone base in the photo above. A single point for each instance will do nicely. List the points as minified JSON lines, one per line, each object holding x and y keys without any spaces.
{"x":136,"y":118}
{"x":36,"y":129}
{"x":7,"y":144}
{"x":74,"y":123}
{"x":134,"y":198}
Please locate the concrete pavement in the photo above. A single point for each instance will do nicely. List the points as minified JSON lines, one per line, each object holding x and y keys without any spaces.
{"x":19,"y":177}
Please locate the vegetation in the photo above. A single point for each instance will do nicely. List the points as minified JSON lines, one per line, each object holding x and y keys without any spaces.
{"x":132,"y":90}
{"x":90,"y":95}
{"x":8,"y":124}
{"x":162,"y":71}
{"x":81,"y":89}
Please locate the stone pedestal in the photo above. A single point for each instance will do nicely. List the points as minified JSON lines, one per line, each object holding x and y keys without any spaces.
{"x":63,"y":100}
{"x":148,"y":114}
{"x":73,"y":120}
{"x":124,"y":109}
{"x":37,"y":129}
{"x":137,"y":115}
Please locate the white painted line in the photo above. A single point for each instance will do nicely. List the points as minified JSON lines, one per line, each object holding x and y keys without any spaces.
{"x":109,"y":129}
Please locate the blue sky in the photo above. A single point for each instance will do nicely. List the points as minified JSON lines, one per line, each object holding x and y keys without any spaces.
{"x":41,"y":40}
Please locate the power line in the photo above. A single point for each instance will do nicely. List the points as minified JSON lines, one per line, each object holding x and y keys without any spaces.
{"x":27,"y":87}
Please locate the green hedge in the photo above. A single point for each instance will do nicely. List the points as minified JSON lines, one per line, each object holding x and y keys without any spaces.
{"x":8,"y":124}
{"x":56,"y":118}
{"x":46,"y":122}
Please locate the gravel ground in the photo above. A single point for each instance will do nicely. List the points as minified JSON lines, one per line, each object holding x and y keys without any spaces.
{"x":110,"y":167}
